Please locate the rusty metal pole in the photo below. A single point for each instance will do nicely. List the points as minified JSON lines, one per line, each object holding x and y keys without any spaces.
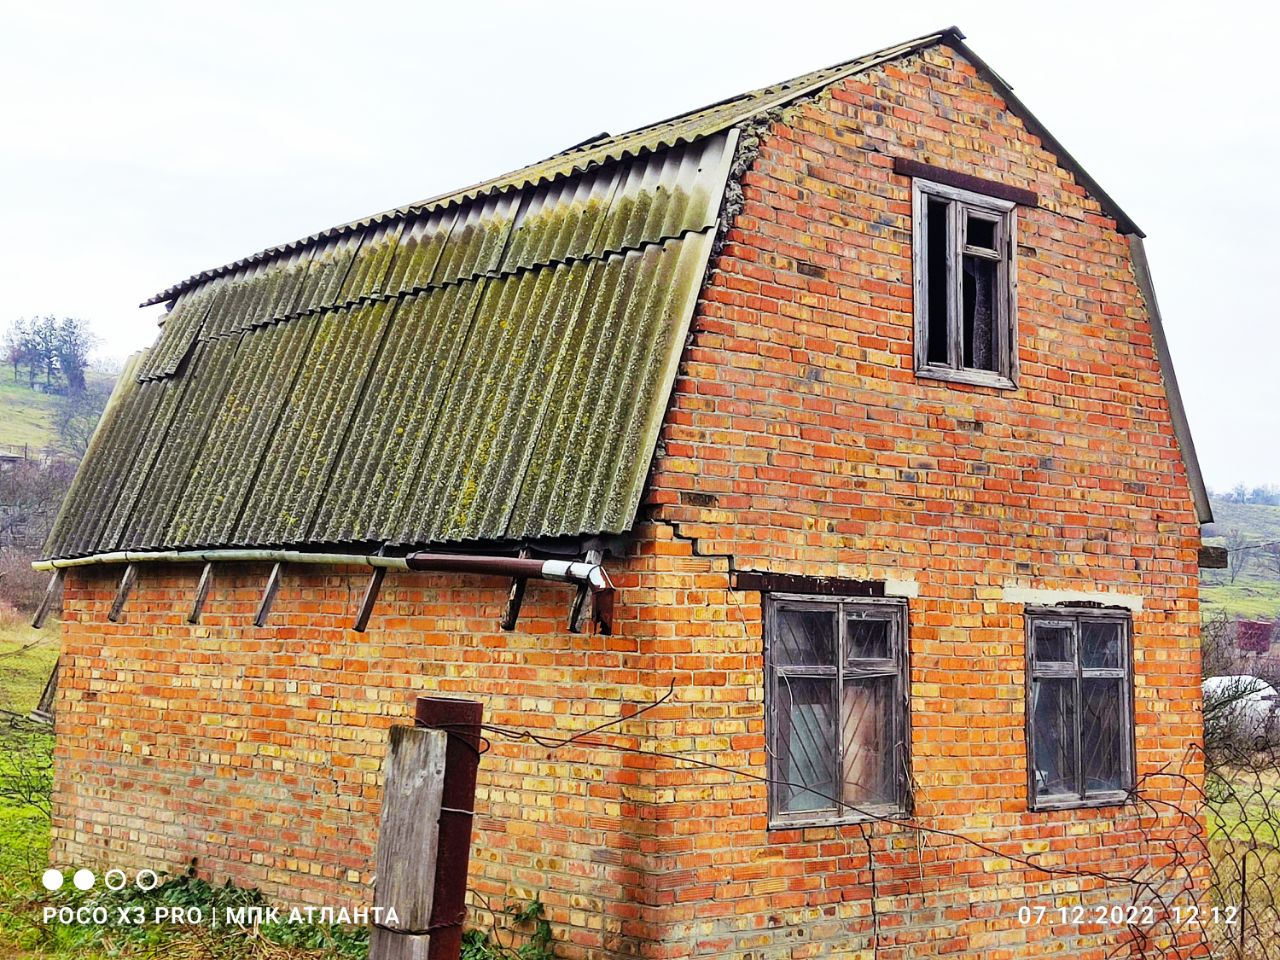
{"x":461,"y":720}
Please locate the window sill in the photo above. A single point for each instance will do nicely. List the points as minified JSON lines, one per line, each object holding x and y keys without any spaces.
{"x":977,"y":378}
{"x":868,"y":815}
{"x":1114,"y":798}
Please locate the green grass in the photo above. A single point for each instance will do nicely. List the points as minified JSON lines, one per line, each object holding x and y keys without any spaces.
{"x":26,"y":416}
{"x":27,"y":657}
{"x":1251,"y":596}
{"x":1256,"y":592}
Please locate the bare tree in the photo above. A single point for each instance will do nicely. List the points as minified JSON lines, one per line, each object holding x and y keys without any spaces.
{"x":76,"y":417}
{"x":30,"y":494}
{"x":1239,"y":553}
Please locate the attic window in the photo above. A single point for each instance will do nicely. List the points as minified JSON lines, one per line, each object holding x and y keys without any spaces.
{"x":964,"y":284}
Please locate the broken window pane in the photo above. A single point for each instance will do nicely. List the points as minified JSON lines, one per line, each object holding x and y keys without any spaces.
{"x":1053,"y":643}
{"x":979,"y":312}
{"x":938,"y":296}
{"x":980,"y":232}
{"x":1100,"y":733}
{"x":807,"y":743}
{"x":868,"y":741}
{"x":1053,"y":727}
{"x":1100,"y":644}
{"x":867,"y":639}
{"x":804,"y":637}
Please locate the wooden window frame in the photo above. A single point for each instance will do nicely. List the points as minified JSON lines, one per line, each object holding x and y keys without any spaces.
{"x":897,"y":665}
{"x":1074,"y":617}
{"x":961,"y":204}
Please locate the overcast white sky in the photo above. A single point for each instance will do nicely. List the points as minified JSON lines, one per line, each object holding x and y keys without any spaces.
{"x":143,"y":142}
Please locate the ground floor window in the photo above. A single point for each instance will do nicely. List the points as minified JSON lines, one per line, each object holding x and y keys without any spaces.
{"x":1079,"y":706}
{"x":837,"y":708}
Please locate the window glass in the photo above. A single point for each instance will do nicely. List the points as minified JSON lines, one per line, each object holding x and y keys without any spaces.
{"x":1079,"y":720}
{"x":1101,"y":734}
{"x":868,"y":741}
{"x":837,"y":718}
{"x":867,"y":639}
{"x":1054,"y":726}
{"x":806,"y":708}
{"x":804,"y":636}
{"x":1101,"y":643}
{"x":1054,"y":643}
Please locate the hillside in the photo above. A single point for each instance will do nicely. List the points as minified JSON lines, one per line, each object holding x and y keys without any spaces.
{"x":27,"y":416}
{"x":1256,"y":590}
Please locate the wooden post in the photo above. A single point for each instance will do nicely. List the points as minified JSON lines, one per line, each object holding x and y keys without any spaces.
{"x":407,"y":840}
{"x":46,"y":603}
{"x":515,"y":597}
{"x":44,"y":709}
{"x":582,"y":599}
{"x":461,"y":720}
{"x":370,"y":598}
{"x":269,"y":595}
{"x":122,"y":594}
{"x":202,"y":593}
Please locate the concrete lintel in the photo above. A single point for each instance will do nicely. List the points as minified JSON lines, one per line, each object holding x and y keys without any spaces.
{"x":1037,"y":596}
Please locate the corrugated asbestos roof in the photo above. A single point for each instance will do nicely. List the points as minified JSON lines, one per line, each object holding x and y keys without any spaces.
{"x":492,"y":364}
{"x":495,"y":370}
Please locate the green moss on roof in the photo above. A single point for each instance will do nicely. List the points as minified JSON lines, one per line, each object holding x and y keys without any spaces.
{"x":491,"y":373}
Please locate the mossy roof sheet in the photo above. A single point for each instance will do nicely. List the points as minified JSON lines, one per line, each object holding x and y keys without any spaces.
{"x":496,"y":370}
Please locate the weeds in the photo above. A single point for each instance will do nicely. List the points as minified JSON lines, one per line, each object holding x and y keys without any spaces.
{"x":479,"y":945}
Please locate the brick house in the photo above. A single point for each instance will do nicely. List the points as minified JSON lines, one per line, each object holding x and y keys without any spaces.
{"x":845,"y":406}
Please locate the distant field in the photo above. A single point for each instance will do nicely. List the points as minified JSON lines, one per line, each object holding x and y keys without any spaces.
{"x":1256,"y":592}
{"x":26,"y":416}
{"x":1252,"y":597}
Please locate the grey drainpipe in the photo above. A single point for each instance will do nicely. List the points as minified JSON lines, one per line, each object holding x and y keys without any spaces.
{"x":586,"y":574}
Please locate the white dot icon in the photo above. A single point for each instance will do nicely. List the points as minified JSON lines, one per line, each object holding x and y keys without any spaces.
{"x":83,"y":879}
{"x":52,"y":879}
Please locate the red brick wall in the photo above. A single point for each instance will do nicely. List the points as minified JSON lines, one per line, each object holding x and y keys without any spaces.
{"x":800,"y":418}
{"x":257,"y":750}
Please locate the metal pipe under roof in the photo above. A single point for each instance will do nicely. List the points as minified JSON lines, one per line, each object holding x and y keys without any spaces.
{"x":589,"y":575}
